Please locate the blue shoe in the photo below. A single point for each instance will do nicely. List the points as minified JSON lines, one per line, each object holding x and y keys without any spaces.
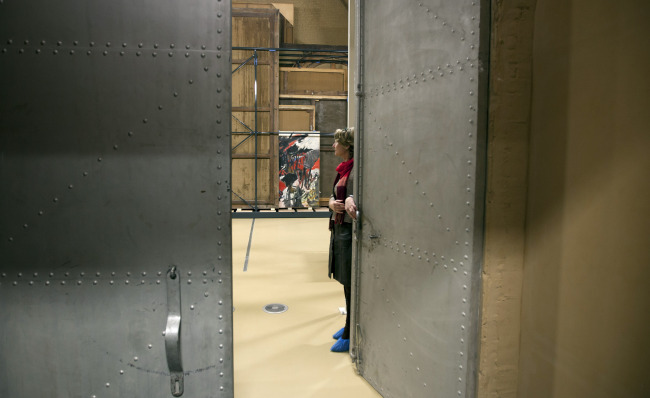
{"x":338,"y":334}
{"x":341,"y":345}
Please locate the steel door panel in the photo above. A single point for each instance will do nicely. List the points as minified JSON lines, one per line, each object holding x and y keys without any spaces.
{"x":114,"y":162}
{"x":420,"y":182}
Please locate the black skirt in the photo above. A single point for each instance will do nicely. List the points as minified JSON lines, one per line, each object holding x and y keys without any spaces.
{"x":340,"y":258}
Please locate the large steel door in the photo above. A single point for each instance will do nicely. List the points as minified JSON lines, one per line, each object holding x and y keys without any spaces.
{"x":115,"y":252}
{"x":420,"y":175}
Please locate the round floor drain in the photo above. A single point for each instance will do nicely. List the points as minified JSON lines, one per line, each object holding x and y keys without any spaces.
{"x":275,"y":308}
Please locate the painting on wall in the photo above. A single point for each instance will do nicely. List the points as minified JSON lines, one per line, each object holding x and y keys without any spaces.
{"x":299,"y":170}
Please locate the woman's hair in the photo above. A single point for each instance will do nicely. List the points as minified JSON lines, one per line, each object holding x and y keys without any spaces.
{"x":345,"y":137}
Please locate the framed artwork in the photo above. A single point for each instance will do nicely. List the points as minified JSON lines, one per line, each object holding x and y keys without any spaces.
{"x":299,"y":170}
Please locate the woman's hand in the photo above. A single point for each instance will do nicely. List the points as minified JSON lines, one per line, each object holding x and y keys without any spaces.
{"x":351,"y":207}
{"x":337,"y":206}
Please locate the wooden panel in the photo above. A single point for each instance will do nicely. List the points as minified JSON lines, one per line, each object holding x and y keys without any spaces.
{"x":313,"y":81}
{"x":254,"y":30}
{"x":251,"y":109}
{"x":251,"y":156}
{"x":248,"y":145}
{"x":314,"y":97}
{"x":330,"y":115}
{"x":243,"y":86}
{"x":297,"y":102}
{"x":297,"y":117}
{"x":328,"y":163}
{"x":248,"y":118}
{"x":287,"y":32}
{"x":264,"y":141}
{"x":243,"y":181}
{"x":236,"y":4}
{"x":258,"y":26}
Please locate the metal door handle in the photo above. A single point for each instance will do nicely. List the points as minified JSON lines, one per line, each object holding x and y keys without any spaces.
{"x":173,"y":331}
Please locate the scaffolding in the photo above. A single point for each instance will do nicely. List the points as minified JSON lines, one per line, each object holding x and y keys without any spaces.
{"x":299,"y":56}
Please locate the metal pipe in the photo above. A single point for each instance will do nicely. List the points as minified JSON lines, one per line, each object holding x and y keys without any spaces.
{"x":242,"y":64}
{"x":242,"y":123}
{"x":244,"y":140}
{"x":287,"y":133}
{"x":255,"y":88}
{"x":289,"y":49}
{"x":243,"y":200}
{"x":254,"y":132}
{"x":292,"y":56}
{"x":250,"y":240}
{"x":251,"y":134}
{"x":281,"y":214}
{"x":312,"y":57}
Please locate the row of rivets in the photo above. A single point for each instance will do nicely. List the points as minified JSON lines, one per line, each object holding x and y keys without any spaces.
{"x":417,"y":182}
{"x":150,"y":346}
{"x":412,"y":81}
{"x":410,"y":251}
{"x":470,"y":167}
{"x":417,"y":252}
{"x":460,"y":353}
{"x":154,"y":54}
{"x":444,"y":22}
{"x":122,"y":372}
{"x":96,"y":282}
{"x":140,"y":45}
{"x":431,"y":73}
{"x":98,"y":274}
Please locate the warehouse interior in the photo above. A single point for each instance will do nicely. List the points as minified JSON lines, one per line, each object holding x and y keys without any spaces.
{"x":300,"y":88}
{"x":564,"y":310}
{"x":282,"y":257}
{"x":502,"y":239}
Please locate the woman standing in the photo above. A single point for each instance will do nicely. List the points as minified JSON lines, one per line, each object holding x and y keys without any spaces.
{"x":343,"y":211}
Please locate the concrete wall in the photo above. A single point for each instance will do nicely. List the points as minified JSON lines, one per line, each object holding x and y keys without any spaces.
{"x":565,"y":300}
{"x":352,"y":65}
{"x":586,"y":302}
{"x":317,"y":22}
{"x":508,"y":132}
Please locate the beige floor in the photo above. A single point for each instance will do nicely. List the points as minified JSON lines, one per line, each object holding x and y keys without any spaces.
{"x":287,"y":355}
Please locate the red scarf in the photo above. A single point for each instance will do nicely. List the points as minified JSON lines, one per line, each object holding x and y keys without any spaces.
{"x":340,"y":186}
